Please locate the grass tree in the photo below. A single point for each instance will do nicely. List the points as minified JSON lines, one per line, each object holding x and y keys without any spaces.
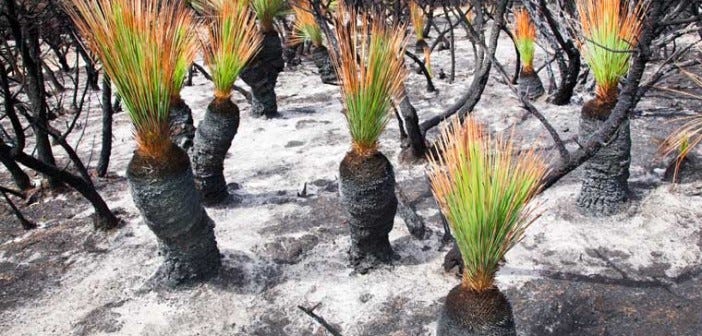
{"x":307,"y":30}
{"x":525,"y":39}
{"x":232,"y":41}
{"x":180,"y":118}
{"x":483,"y":186}
{"x":610,"y":31}
{"x":139,"y":43}
{"x":370,"y":66}
{"x":417,"y":17}
{"x":261,"y":73}
{"x":683,"y":140}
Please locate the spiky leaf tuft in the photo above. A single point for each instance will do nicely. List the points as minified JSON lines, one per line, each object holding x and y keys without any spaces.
{"x":417,"y":18}
{"x":610,"y":32}
{"x":306,"y":28}
{"x":371,"y":68}
{"x":233,"y":40}
{"x":525,"y":38}
{"x":483,"y":186}
{"x":142,"y":45}
{"x":267,"y":11}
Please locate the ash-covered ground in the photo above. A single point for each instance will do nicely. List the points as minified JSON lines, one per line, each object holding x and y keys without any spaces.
{"x":636,"y":273}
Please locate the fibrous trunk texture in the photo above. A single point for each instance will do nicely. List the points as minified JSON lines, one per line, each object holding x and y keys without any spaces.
{"x":261,"y":74}
{"x":320,"y":56}
{"x":470,"y":313}
{"x":213,"y":138}
{"x":164,"y":193}
{"x":415,"y":150}
{"x":605,"y":189}
{"x":530,"y":85}
{"x":367,"y":186}
{"x":180,"y":120}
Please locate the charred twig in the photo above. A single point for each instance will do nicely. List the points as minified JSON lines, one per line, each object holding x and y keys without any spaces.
{"x":423,"y":68}
{"x":319,"y":319}
{"x":26,"y":224}
{"x":414,"y":223}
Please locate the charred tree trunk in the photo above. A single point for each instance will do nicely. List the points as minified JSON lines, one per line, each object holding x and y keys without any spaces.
{"x":180,"y":120}
{"x":320,"y":56}
{"x":166,"y":197}
{"x":27,"y":36}
{"x":530,"y":85}
{"x":367,"y":186}
{"x":261,"y":74}
{"x":18,"y":175}
{"x":213,"y":139}
{"x":605,"y":188}
{"x":106,"y":145}
{"x":417,"y":149}
{"x":471,"y":313}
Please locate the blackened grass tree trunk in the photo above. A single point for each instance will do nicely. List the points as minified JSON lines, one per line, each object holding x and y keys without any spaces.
{"x":213,"y":139}
{"x":180,"y":117}
{"x":372,"y":73}
{"x":164,"y":191}
{"x":261,"y":72}
{"x":227,"y":53}
{"x":482,"y":187}
{"x":606,"y":48}
{"x":181,"y":123}
{"x":159,"y":175}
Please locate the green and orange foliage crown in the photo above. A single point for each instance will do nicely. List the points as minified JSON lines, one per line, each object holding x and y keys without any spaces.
{"x":483,"y":186}
{"x":370,"y":65}
{"x":142,"y":45}
{"x":306,"y":28}
{"x":610,"y":32}
{"x":688,"y":136}
{"x":525,"y":38}
{"x":417,"y":18}
{"x":232,"y":39}
{"x":267,"y":11}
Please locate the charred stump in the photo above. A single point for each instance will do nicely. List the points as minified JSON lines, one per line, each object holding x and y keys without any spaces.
{"x":367,"y":187}
{"x":471,"y":313}
{"x":320,"y":56}
{"x":530,"y":85}
{"x":213,"y":139}
{"x":165,"y":194}
{"x":604,"y":181}
{"x":261,"y":74}
{"x":180,"y":119}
